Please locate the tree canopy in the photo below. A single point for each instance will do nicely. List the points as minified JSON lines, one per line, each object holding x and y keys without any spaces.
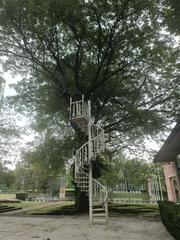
{"x":172,"y":16}
{"x":118,"y":53}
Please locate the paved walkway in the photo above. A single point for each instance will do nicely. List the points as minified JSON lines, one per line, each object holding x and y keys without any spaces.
{"x":77,"y":228}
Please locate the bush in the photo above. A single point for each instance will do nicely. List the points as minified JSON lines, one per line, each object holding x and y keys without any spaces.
{"x":21,"y":195}
{"x":170,"y":215}
{"x":70,"y":194}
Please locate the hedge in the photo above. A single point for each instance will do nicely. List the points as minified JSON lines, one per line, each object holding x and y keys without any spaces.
{"x":21,"y":195}
{"x":70,"y":194}
{"x":170,"y":215}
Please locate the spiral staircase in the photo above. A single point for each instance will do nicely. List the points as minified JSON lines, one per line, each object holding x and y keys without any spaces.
{"x":80,"y":118}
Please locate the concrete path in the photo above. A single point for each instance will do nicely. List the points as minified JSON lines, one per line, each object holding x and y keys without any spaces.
{"x":77,"y":228}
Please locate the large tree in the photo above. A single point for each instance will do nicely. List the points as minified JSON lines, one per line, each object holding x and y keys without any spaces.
{"x":172,"y":16}
{"x":118,"y":53}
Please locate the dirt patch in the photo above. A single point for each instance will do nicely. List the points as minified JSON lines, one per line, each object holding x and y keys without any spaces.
{"x":77,"y":228}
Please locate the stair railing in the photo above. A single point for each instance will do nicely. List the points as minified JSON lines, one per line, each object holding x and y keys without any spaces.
{"x":78,"y":109}
{"x":82,"y":154}
{"x":100,"y":195}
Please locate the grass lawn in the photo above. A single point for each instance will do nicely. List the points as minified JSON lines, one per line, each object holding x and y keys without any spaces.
{"x":52,"y":209}
{"x":128,"y":209}
{"x":115,"y":210}
{"x":7,"y":196}
{"x":133,"y":206}
{"x":22,"y":204}
{"x":25,"y":204}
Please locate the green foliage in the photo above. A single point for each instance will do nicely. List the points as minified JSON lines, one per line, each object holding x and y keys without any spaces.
{"x":21,"y":195}
{"x":10,"y":133}
{"x":6,"y":178}
{"x":170,"y":215}
{"x":55,"y":210}
{"x":26,"y":204}
{"x":2,"y":86}
{"x":172,"y":16}
{"x":70,"y":194}
{"x":115,"y":53}
{"x":123,"y":170}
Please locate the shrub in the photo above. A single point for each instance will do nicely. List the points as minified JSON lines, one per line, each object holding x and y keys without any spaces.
{"x":70,"y":194}
{"x":21,"y":195}
{"x":170,"y":215}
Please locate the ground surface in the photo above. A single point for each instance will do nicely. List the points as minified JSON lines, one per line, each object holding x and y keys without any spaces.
{"x":77,"y":228}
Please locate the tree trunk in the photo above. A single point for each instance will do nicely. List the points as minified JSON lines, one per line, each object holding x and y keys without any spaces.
{"x":81,"y":201}
{"x":81,"y":198}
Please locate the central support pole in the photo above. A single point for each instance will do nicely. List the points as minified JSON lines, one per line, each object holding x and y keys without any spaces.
{"x":90,"y":165}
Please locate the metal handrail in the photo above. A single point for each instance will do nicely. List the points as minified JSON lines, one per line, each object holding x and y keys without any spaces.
{"x":105,"y":193}
{"x":85,"y":146}
{"x":78,"y":109}
{"x":102,"y":187}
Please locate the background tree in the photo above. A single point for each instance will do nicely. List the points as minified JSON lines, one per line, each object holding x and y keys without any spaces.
{"x":6,"y":177}
{"x":2,"y":86}
{"x":172,"y":16}
{"x":10,"y":135}
{"x":127,"y":171}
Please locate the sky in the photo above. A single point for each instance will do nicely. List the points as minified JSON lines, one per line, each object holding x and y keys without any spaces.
{"x":22,"y":121}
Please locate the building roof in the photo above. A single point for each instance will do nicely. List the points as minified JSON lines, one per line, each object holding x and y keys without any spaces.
{"x":171,"y":147}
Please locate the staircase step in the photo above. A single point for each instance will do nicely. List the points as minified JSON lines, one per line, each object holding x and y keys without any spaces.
{"x":83,"y":187}
{"x":83,"y":190}
{"x":82,"y":181}
{"x":99,"y":215}
{"x":98,"y":210}
{"x":96,"y":204}
{"x":99,"y":221}
{"x":81,"y":174}
{"x":83,"y":177}
{"x":81,"y":184}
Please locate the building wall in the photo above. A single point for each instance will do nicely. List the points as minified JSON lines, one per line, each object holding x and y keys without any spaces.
{"x":170,"y":178}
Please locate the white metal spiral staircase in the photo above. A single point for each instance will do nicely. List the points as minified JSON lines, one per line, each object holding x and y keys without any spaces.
{"x":80,"y":117}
